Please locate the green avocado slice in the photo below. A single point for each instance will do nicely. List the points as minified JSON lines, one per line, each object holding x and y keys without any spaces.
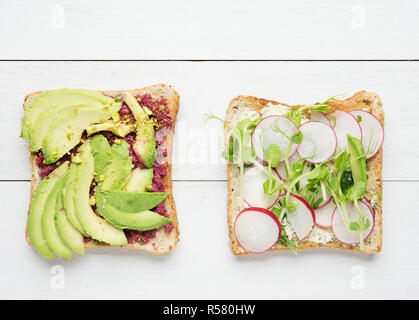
{"x":37,"y":209}
{"x":131,"y":201}
{"x":67,"y":198}
{"x":143,"y":221}
{"x":358,"y":159}
{"x":113,"y":165}
{"x":145,"y":144}
{"x":140,"y":180}
{"x":120,"y":129}
{"x":94,"y":226}
{"x":68,"y":234}
{"x":62,"y":97}
{"x":65,"y":133}
{"x":47,"y":119}
{"x":49,"y":230}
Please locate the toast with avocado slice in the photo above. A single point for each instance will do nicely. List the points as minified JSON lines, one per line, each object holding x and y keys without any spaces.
{"x":101,"y":145}
{"x":304,"y":176}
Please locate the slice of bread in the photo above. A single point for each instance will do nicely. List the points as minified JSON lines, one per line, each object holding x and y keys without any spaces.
{"x":361,"y":100}
{"x":163,"y":242}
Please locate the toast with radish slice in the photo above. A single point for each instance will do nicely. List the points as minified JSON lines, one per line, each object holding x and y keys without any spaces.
{"x":354,"y":121}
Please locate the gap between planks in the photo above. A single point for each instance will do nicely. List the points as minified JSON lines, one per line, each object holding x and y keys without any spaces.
{"x":209,"y":60}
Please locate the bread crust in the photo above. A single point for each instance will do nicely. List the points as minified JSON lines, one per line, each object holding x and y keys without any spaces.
{"x":361,"y":100}
{"x":163,"y":242}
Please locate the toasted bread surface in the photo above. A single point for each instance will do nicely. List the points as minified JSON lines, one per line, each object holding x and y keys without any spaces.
{"x":361,"y":100}
{"x":163,"y":242}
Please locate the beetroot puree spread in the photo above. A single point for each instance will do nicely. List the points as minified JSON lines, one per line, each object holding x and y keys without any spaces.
{"x":161,"y":113}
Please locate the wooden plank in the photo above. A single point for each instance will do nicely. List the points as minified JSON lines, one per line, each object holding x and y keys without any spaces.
{"x":202,"y":266}
{"x":219,"y":29}
{"x":205,"y":86}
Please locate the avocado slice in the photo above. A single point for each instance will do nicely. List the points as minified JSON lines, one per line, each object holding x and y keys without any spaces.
{"x":67,"y":198}
{"x":140,"y":180}
{"x":94,"y":226}
{"x":113,"y":165}
{"x":358,"y":159}
{"x":101,"y":151}
{"x":65,"y":133}
{"x":120,"y":129}
{"x":62,"y":98}
{"x":37,"y":209}
{"x":132,"y":201}
{"x":143,"y":220}
{"x":145,"y":144}
{"x":68,"y":234}
{"x":49,"y":229}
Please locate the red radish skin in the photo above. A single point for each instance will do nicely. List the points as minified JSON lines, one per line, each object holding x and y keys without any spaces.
{"x":308,"y":210}
{"x":280,"y":168}
{"x":326,"y":141}
{"x":337,"y":224}
{"x":279,"y":176}
{"x":370,"y":122}
{"x":241,"y":238}
{"x":277,"y":138}
{"x":321,"y":117}
{"x":255,"y":190}
{"x":322,"y":204}
{"x":346,"y":124}
{"x":324,"y":214}
{"x":368,"y":203}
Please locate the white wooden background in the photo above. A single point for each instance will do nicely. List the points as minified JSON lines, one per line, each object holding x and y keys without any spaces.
{"x":211,"y":51}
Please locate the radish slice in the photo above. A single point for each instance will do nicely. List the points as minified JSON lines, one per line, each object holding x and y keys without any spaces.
{"x":319,"y":142}
{"x":324,"y":214}
{"x":321,"y":117}
{"x":282,"y":172}
{"x":302,"y":220}
{"x":346,"y":123}
{"x":257,"y":229}
{"x":280,"y":168}
{"x":372,"y":131}
{"x":324,"y":202}
{"x":254,"y":195}
{"x":348,"y":236}
{"x":268,"y":131}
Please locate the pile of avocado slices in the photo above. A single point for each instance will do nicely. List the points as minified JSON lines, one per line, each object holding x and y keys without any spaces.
{"x":62,"y":210}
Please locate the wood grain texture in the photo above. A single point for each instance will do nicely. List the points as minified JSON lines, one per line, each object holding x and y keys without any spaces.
{"x":201,"y":29}
{"x":206,"y":86}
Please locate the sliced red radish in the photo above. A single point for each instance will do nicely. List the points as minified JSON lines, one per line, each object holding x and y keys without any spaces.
{"x":324,"y":202}
{"x":302,"y":220}
{"x":321,"y":117}
{"x":280,"y":168}
{"x":346,"y":123}
{"x":324,"y":214}
{"x":257,"y":229}
{"x":348,"y":236}
{"x":319,"y":142}
{"x":273,"y":130}
{"x":282,"y":172}
{"x":372,"y":131}
{"x":254,"y":195}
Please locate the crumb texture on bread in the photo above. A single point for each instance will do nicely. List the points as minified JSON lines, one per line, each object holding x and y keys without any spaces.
{"x":163,"y":242}
{"x":368,"y":101}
